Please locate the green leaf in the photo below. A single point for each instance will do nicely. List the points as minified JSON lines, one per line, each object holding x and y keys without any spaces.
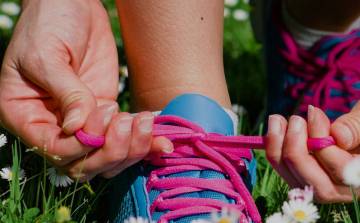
{"x":32,"y":212}
{"x":4,"y":218}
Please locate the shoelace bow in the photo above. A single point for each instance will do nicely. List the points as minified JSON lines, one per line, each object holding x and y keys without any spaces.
{"x":197,"y":150}
{"x":340,"y":71}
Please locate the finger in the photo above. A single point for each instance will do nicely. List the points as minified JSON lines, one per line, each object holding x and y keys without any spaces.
{"x":160,"y":146}
{"x":332,"y":158}
{"x":114,"y":151}
{"x":274,"y":146}
{"x":306,"y":168}
{"x":141,"y":140}
{"x":346,"y":129}
{"x":99,"y":119}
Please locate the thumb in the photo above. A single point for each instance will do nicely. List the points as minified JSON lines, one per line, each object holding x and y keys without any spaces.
{"x":75,"y":99}
{"x":346,"y":129}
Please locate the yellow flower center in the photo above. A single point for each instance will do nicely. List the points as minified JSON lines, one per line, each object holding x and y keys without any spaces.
{"x":300,"y":215}
{"x":224,"y":220}
{"x":63,"y":215}
{"x":60,"y":173}
{"x":10,"y":175}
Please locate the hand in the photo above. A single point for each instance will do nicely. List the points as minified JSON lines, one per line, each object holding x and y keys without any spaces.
{"x":288,"y":153}
{"x":127,"y":141}
{"x":60,"y":65}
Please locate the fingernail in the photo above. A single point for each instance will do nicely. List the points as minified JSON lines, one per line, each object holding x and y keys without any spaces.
{"x":71,"y":116}
{"x":146,"y":124}
{"x":125,"y":124}
{"x":168,"y":150}
{"x":274,"y":124}
{"x":311,"y":113}
{"x":295,"y":124}
{"x":347,"y":133}
{"x":109,"y":114}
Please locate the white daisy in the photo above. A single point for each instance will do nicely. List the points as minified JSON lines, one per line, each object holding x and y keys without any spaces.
{"x":231,"y":3}
{"x":240,"y":15}
{"x":300,"y":211}
{"x":278,"y":218}
{"x":10,"y":8}
{"x":225,"y":216}
{"x":58,"y":178}
{"x":138,"y":220}
{"x":121,"y":84}
{"x":351,"y":172}
{"x":307,"y":194}
{"x":238,"y":109}
{"x":3,"y":140}
{"x":7,"y":173}
{"x":123,"y":70}
{"x":226,"y":12}
{"x":6,"y":22}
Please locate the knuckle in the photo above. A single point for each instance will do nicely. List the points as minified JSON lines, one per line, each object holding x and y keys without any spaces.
{"x":325,"y":195}
{"x":272,"y":157}
{"x":83,"y":177}
{"x":108,"y":175}
{"x":33,"y":61}
{"x":354,"y":126}
{"x":337,"y":177}
{"x":139,"y":153}
{"x":68,"y":97}
{"x":118,"y":156}
{"x":113,"y":172}
{"x":352,"y":122}
{"x":289,"y":157}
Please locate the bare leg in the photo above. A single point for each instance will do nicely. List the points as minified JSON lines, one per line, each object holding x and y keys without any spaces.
{"x":173,"y":47}
{"x":327,"y":15}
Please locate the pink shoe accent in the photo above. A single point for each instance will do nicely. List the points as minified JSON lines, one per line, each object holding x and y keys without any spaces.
{"x":320,"y":143}
{"x":339,"y":71}
{"x":90,"y":139}
{"x":197,"y":150}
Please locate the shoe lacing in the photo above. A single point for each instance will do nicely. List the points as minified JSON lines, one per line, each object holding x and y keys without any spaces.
{"x":197,"y":150}
{"x":339,"y":72}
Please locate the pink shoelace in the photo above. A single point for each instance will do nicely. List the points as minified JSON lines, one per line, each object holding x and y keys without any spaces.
{"x":340,"y":71}
{"x":197,"y":150}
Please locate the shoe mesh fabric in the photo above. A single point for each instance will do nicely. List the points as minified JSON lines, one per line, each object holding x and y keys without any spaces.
{"x":328,"y":76}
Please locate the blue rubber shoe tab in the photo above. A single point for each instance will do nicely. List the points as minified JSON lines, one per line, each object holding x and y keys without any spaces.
{"x":202,"y":111}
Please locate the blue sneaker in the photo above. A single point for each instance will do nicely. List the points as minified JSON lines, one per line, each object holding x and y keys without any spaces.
{"x":195,"y":180}
{"x":326,"y":76}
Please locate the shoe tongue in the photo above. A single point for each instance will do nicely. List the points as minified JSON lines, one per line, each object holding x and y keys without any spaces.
{"x":203,"y":111}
